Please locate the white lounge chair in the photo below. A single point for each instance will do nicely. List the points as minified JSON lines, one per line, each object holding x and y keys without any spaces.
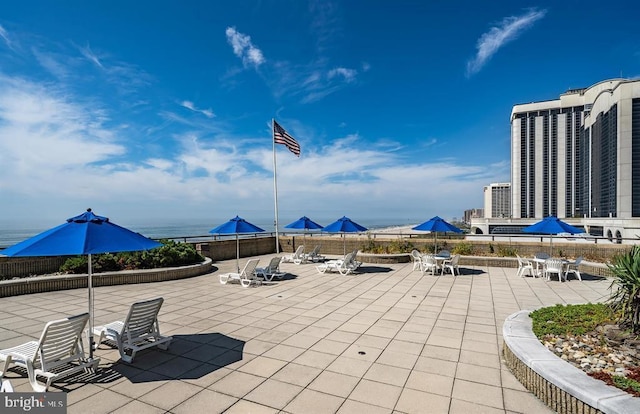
{"x":57,"y":354}
{"x":271,"y":271}
{"x":343,"y":266}
{"x":452,"y":265}
{"x":139,"y":331}
{"x":524,"y":266}
{"x":314,"y":256}
{"x":297,"y":257}
{"x":246,"y":277}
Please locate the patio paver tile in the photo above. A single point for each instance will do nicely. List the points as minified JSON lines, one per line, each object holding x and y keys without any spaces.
{"x":206,"y":401}
{"x":376,"y":393}
{"x":478,"y":393}
{"x":414,"y":401}
{"x":274,"y":393}
{"x":170,"y":394}
{"x":312,"y":402}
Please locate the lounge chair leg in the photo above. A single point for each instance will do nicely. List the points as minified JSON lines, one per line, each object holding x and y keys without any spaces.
{"x":6,"y":386}
{"x":37,"y":387}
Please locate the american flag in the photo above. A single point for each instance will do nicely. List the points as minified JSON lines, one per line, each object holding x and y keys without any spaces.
{"x":280,"y":136}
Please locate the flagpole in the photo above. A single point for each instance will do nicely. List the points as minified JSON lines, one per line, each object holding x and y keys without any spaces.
{"x":275,"y":185}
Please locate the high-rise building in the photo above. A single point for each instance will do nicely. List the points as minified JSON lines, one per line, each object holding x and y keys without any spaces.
{"x":472,"y":214}
{"x":497,"y":200}
{"x":578,"y":156}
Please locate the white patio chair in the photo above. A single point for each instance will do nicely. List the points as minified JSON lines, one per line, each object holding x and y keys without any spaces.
{"x":525,"y":265}
{"x":297,"y":257}
{"x":452,"y":265}
{"x":416,"y":258}
{"x":271,"y":271}
{"x":246,"y":277}
{"x":574,"y":267}
{"x":429,"y":263}
{"x":58,"y":353}
{"x":554,"y":266}
{"x":140,"y":330}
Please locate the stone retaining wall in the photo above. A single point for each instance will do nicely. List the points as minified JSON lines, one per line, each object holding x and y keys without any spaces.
{"x":61,"y":282}
{"x":563,"y":387}
{"x":255,"y":245}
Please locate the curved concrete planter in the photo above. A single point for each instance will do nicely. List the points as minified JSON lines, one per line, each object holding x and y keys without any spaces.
{"x":39,"y":284}
{"x":383,"y":258}
{"x":557,"y":383}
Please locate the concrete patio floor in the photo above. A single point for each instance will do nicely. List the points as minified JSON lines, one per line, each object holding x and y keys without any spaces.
{"x":386,"y":340}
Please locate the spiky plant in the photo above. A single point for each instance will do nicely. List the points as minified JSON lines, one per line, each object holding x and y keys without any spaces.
{"x":625,"y":287}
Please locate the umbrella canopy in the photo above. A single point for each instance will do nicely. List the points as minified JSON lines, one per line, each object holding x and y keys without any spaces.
{"x":435,"y":225}
{"x":80,"y":235}
{"x":84,"y":234}
{"x":304,"y":223}
{"x":344,"y":225}
{"x":551,"y":225}
{"x":236,"y":225}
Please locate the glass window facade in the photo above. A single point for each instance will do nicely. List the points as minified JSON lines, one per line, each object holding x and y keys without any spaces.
{"x":635,"y":157}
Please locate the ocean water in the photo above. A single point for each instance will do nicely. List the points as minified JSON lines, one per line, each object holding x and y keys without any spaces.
{"x":12,"y":233}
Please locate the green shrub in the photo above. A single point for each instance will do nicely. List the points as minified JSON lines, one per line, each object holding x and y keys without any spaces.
{"x":401,"y":246}
{"x":170,"y":254}
{"x":75,"y":265}
{"x":397,"y":246}
{"x":570,"y":319}
{"x":625,"y":287}
{"x":626,"y":383}
{"x":507,"y":251}
{"x":465,"y":249}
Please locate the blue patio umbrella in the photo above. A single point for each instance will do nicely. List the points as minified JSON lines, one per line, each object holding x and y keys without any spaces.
{"x":236,"y":225}
{"x":344,"y":225}
{"x":304,"y":223}
{"x":84,"y":234}
{"x":551,"y":225}
{"x":435,"y":225}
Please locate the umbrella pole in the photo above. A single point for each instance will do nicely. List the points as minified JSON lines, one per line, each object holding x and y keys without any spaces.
{"x":237,"y":253}
{"x":344,"y":244}
{"x":435,"y":246}
{"x":90,"y":286}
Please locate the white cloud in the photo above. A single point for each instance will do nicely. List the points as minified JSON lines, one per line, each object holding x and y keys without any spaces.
{"x":243,"y":48}
{"x":67,"y":152}
{"x":190,"y":105}
{"x":508,"y":30}
{"x":348,"y":75}
{"x":58,"y":151}
{"x":5,"y":36}
{"x":92,"y":57}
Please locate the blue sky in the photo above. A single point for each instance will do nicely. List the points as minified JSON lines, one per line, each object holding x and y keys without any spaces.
{"x":152,"y":111}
